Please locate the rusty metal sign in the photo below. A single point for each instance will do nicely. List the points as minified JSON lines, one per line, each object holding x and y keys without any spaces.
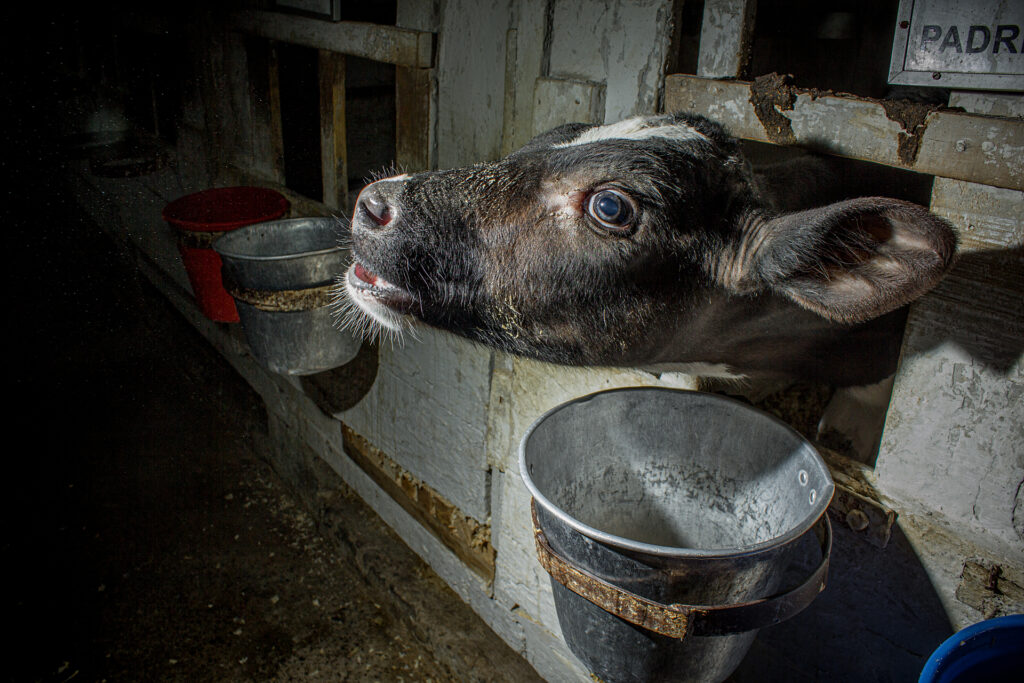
{"x":965,"y":44}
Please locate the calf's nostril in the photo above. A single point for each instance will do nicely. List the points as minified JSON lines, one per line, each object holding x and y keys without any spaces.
{"x":376,"y":208}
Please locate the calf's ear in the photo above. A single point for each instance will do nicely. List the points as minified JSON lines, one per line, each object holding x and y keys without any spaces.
{"x":850,"y":261}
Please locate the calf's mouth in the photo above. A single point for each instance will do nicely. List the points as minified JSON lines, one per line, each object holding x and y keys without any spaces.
{"x":366,"y":286}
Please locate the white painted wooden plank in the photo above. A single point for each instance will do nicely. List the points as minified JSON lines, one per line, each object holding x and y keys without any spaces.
{"x":557,"y":101}
{"x":957,"y":145}
{"x":427,"y":411}
{"x":471,"y":82}
{"x":403,"y":47}
{"x":638,"y":39}
{"x":725,"y":35}
{"x":530,"y":22}
{"x":577,"y":30}
{"x":989,"y":103}
{"x":623,"y":44}
{"x":953,"y":435}
{"x":518,"y":577}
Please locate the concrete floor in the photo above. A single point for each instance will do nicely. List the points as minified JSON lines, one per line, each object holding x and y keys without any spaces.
{"x":145,"y":537}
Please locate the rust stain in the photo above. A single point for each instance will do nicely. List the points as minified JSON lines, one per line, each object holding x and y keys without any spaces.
{"x":913,"y":119}
{"x":856,"y":503}
{"x":771,"y":95}
{"x":469,"y":539}
{"x":667,"y":620}
{"x":993,"y":589}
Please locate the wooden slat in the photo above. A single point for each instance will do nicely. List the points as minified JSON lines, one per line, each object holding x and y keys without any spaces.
{"x":266,"y":145}
{"x":399,"y":46}
{"x":557,"y":100}
{"x":275,"y":129}
{"x":412,"y":127}
{"x":333,"y":151}
{"x":725,"y":35}
{"x":972,"y":147}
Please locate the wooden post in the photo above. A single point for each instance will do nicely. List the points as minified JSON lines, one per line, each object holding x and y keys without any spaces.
{"x":726,"y":32}
{"x":333,"y":152}
{"x":267,"y":114}
{"x":412,"y":125}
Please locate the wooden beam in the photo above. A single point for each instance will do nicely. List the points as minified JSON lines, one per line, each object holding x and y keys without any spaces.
{"x":725,"y":36}
{"x":333,"y":150}
{"x":412,"y":113}
{"x":937,"y":141}
{"x":398,"y":46}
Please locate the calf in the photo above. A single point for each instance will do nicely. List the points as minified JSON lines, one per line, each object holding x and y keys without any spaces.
{"x":645,"y":243}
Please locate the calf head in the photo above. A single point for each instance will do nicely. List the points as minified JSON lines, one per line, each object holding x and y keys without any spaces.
{"x":641,"y":243}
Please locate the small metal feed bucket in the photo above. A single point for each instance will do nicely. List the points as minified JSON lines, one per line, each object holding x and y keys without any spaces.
{"x":281,"y":274}
{"x":667,"y":520}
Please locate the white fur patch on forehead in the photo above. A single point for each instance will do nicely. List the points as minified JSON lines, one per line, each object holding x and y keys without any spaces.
{"x":636,"y":128}
{"x":393,"y":179}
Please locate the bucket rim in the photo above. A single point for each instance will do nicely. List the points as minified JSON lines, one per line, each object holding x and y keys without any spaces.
{"x":223,"y":244}
{"x":186,"y":212}
{"x":819,"y":508}
{"x":964,"y":642}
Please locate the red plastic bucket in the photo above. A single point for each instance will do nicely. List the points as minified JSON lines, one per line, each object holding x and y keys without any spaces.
{"x":199,"y":219}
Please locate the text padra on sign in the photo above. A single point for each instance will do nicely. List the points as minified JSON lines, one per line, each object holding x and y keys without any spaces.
{"x":966,"y":44}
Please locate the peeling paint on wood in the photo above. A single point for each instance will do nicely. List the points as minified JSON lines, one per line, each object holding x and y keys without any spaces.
{"x":953,"y":144}
{"x":955,"y":424}
{"x":725,"y":38}
{"x":993,"y":589}
{"x":913,"y":119}
{"x":770,"y":95}
{"x":856,"y":502}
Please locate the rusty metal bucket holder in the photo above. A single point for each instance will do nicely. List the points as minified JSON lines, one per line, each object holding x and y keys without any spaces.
{"x":676,"y":620}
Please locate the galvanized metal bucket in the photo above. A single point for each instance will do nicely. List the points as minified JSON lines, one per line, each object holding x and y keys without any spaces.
{"x":281,"y":274}
{"x":667,"y":520}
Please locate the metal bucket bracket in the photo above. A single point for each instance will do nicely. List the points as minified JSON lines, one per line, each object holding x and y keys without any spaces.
{"x":677,"y":620}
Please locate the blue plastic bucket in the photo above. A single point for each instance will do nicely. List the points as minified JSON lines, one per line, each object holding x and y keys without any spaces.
{"x":988,"y":652}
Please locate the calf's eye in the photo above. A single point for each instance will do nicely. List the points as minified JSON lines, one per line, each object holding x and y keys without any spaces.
{"x":611,"y":209}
